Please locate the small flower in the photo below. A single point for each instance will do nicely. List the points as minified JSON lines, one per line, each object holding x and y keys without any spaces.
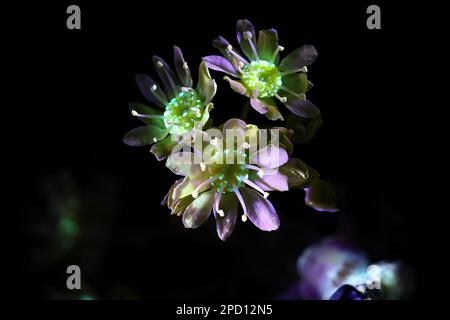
{"x":262,"y":76}
{"x":219,"y":186}
{"x":179,"y":105}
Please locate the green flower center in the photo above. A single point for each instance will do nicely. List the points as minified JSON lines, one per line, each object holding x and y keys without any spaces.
{"x":262,"y":76}
{"x":182,"y":112}
{"x":223,"y":176}
{"x":226,"y":175}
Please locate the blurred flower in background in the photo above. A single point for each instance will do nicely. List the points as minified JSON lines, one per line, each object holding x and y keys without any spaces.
{"x":334,"y":268}
{"x":73,"y":225}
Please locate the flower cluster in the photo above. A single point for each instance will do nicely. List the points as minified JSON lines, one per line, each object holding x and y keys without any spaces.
{"x":262,"y":75}
{"x":229,"y":170}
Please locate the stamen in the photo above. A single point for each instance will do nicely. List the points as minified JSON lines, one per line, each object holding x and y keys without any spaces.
{"x":216,"y":205}
{"x":241,"y":67}
{"x":256,"y":187}
{"x":244,"y":218}
{"x":185,"y":66}
{"x":154,"y":89}
{"x":277,"y":50}
{"x":200,"y":186}
{"x":203,"y":166}
{"x":241,"y":200}
{"x":234,"y":54}
{"x":155,"y":139}
{"x":253,"y":167}
{"x":290,"y":91}
{"x":159,"y":64}
{"x":145,"y":116}
{"x":304,"y":176}
{"x":282,"y":99}
{"x":303,"y":69}
{"x":246,"y":145}
{"x":248,"y":36}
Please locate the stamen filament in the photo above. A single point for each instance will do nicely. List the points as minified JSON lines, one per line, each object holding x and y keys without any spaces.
{"x":290,"y":91}
{"x":256,"y":168}
{"x":234,"y":54}
{"x":248,"y":36}
{"x":154,"y":89}
{"x":240,"y":198}
{"x":282,"y":99}
{"x":201,"y":185}
{"x":216,"y":204}
{"x":256,"y":187}
{"x":288,"y":72}
{"x":145,"y":116}
{"x":277,"y":51}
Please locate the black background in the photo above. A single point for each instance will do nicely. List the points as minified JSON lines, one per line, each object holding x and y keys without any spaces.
{"x":372,"y":87}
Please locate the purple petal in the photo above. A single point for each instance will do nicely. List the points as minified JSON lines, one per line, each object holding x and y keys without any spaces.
{"x":183,"y":73}
{"x":270,"y":156}
{"x":259,"y":105}
{"x":199,"y":210}
{"x":259,"y":210}
{"x":145,"y":84}
{"x":302,"y":107}
{"x":237,"y":86}
{"x":246,"y":37}
{"x":225,"y":225}
{"x":221,"y":64}
{"x":222,"y":44}
{"x":234,"y":123}
{"x":300,"y":57}
{"x":168,"y":78}
{"x":273,"y":181}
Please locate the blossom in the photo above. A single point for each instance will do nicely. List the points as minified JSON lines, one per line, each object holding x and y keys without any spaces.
{"x":262,"y":75}
{"x":179,"y":106}
{"x":210,"y":185}
{"x":328,"y":266}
